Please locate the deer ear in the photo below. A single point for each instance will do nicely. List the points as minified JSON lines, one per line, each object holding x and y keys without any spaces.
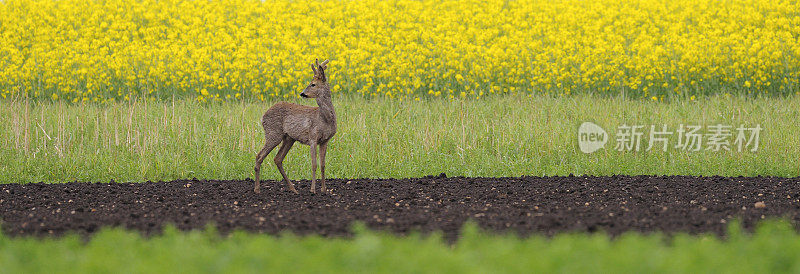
{"x":324,"y":64}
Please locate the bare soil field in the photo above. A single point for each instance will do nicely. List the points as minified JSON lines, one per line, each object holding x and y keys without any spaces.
{"x":523,"y":205}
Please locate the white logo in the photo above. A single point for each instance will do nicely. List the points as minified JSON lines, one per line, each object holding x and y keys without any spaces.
{"x":591,"y":137}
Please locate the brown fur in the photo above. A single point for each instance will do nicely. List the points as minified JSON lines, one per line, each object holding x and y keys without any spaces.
{"x":314,"y":126}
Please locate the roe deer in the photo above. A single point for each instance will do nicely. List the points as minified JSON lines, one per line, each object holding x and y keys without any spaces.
{"x":314,"y":126}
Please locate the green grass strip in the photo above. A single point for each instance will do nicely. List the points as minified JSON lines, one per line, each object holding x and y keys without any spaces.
{"x":773,"y":248}
{"x":494,"y":136}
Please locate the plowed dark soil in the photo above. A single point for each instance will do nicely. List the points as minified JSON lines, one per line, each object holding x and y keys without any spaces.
{"x":524,"y":205}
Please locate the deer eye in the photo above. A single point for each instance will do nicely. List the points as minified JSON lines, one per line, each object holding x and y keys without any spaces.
{"x":313,"y":85}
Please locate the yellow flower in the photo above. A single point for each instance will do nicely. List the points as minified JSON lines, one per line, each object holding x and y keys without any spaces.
{"x":424,"y":49}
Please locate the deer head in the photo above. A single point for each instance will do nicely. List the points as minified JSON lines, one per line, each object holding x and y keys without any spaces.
{"x":319,"y":84}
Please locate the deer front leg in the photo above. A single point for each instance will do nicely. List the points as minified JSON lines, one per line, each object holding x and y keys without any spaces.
{"x":313,"y":167}
{"x":323,"y":148}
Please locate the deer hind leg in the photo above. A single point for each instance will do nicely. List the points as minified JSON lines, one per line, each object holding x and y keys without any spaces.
{"x":271,"y":142}
{"x":313,"y":167}
{"x":285,"y":147}
{"x":323,"y":149}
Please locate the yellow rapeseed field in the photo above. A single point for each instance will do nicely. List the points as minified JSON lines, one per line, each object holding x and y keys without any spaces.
{"x":102,"y":50}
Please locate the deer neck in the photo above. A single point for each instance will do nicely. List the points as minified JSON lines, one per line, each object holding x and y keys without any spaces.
{"x":326,"y":108}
